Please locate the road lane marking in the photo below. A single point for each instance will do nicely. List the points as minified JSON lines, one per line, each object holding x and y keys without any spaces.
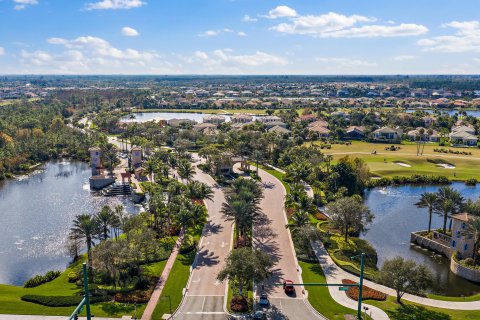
{"x":203,"y":304}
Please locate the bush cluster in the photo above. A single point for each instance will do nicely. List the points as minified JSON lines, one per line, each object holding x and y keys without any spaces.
{"x":413,"y":179}
{"x":442,"y":150}
{"x":39,"y":279}
{"x":367,"y":292}
{"x":471,"y":182}
{"x":61,"y":301}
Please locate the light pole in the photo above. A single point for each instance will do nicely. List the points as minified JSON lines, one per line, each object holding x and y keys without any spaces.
{"x":360,"y":285}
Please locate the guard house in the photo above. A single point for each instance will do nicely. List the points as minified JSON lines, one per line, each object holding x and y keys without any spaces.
{"x":136,"y":157}
{"x":95,"y":160}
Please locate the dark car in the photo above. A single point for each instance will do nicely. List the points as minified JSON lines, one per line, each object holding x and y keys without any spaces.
{"x":288,"y":287}
{"x":263,"y":301}
{"x":260,"y":315}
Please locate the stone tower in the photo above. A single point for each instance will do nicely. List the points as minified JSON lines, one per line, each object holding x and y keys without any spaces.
{"x":95,"y":160}
{"x":136,"y":157}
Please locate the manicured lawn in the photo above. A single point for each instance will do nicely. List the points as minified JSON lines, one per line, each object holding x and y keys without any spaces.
{"x":10,"y":302}
{"x":177,"y":280}
{"x":253,"y":111}
{"x":383,"y":163}
{"x":475,"y":297}
{"x":414,"y":311}
{"x":319,"y":297}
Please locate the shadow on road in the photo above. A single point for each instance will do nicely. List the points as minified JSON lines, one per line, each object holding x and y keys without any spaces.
{"x":213,"y":228}
{"x":207,"y":258}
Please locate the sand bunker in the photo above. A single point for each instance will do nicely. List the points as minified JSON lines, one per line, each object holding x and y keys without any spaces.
{"x":446,"y":166}
{"x":402,"y":164}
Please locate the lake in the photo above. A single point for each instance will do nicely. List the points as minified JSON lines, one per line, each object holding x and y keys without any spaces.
{"x":474,"y":113}
{"x":36,"y":213}
{"x":149,"y":116}
{"x":396,"y":216}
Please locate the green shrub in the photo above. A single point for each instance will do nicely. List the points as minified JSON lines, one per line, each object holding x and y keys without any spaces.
{"x":39,"y":279}
{"x":468,"y":262}
{"x":471,"y":182}
{"x":61,"y":301}
{"x":72,"y":276}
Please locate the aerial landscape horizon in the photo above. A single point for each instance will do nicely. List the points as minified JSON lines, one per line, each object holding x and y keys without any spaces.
{"x":239,"y":159}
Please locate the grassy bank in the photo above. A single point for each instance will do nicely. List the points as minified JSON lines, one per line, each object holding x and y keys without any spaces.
{"x":385,"y":163}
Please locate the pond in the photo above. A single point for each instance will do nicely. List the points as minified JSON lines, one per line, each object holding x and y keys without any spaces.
{"x":149,"y":116}
{"x":36,"y":213}
{"x":474,"y":113}
{"x":396,"y":216}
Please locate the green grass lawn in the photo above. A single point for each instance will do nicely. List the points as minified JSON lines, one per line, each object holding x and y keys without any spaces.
{"x":414,"y":311}
{"x":384,"y":164}
{"x":177,"y":280}
{"x":319,"y":297}
{"x":10,"y":302}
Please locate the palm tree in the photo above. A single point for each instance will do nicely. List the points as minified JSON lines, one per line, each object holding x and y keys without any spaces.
{"x":118,"y":220}
{"x":443,"y":207}
{"x":472,"y":227}
{"x":197,"y":190}
{"x":85,"y":226}
{"x":428,"y":200}
{"x":185,"y":170}
{"x":299,"y":219}
{"x":104,"y":219}
{"x":241,"y":213}
{"x":455,"y":202}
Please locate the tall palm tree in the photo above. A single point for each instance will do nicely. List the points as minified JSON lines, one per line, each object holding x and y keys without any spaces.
{"x":85,"y":226}
{"x":185,"y":170}
{"x":238,"y":211}
{"x":197,"y":190}
{"x":454,"y":197}
{"x":299,"y":219}
{"x":104,"y":220}
{"x":428,"y":200}
{"x":443,"y":207}
{"x":472,"y":227}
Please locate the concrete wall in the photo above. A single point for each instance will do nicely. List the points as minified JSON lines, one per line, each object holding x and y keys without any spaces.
{"x":464,"y":272}
{"x":430,"y":244}
{"x":99,"y":183}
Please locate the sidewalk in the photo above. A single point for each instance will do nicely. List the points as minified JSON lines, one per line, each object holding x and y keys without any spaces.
{"x":26,"y":317}
{"x":152,"y":303}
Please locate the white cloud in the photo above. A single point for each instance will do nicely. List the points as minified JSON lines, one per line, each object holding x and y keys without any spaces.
{"x":129,"y":32}
{"x":344,"y":62}
{"x":465,"y":39}
{"x":281,"y":12}
{"x":226,"y":58}
{"x":247,"y":18}
{"x":241,"y":34}
{"x":404,"y":58}
{"x":114,"y":4}
{"x":90,"y":54}
{"x":22,"y":4}
{"x":2,"y":51}
{"x":335,"y":25}
{"x":214,"y":33}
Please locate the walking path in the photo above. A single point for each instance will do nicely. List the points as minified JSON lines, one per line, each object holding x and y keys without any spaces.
{"x":27,"y":317}
{"x":152,"y":303}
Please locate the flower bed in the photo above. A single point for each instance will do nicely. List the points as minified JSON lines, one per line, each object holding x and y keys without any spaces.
{"x":367,"y":292}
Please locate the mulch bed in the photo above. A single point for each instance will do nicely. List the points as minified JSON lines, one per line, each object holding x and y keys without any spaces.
{"x":239,"y":304}
{"x":367,"y":292}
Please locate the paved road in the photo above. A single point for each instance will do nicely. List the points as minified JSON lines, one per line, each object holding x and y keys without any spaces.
{"x":273,"y":237}
{"x":205,"y":295}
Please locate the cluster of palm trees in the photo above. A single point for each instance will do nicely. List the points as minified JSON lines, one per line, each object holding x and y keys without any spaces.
{"x":88,"y":228}
{"x":177,"y":206}
{"x":242,"y":206}
{"x":301,"y":204}
{"x":446,"y":201}
{"x":160,"y":164}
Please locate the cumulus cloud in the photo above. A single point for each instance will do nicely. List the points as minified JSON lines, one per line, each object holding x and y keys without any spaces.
{"x":241,"y":34}
{"x":129,"y":32}
{"x":335,"y":25}
{"x":344,"y":62}
{"x":227,"y":58}
{"x":247,"y":18}
{"x":214,"y":33}
{"x":466,"y":38}
{"x":22,"y":4}
{"x":2,"y":51}
{"x":404,"y":58}
{"x":88,"y":54}
{"x":281,"y":12}
{"x":114,"y":4}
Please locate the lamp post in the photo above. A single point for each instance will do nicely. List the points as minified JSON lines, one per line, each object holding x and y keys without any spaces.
{"x":360,"y":285}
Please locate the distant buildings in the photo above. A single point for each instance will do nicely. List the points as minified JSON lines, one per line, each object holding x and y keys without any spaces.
{"x":387,"y":134}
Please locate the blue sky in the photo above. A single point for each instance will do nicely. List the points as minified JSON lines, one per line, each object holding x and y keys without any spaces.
{"x":239,"y":37}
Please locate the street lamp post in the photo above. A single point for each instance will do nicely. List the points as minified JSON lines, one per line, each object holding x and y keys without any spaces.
{"x":360,"y":285}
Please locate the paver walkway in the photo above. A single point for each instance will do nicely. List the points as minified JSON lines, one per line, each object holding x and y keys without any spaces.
{"x":152,"y":303}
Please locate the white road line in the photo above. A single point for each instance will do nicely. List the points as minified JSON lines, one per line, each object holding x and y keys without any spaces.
{"x":281,"y":306}
{"x":203,"y":304}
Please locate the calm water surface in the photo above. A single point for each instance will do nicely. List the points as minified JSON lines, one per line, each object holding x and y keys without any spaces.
{"x":36,"y":213}
{"x":474,"y":113}
{"x":149,"y":116}
{"x":396,"y":216}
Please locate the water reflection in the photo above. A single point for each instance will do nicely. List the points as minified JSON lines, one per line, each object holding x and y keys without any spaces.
{"x":36,"y":214}
{"x":396,"y":216}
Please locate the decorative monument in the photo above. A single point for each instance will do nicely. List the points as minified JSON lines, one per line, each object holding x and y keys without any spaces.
{"x":136,"y":157}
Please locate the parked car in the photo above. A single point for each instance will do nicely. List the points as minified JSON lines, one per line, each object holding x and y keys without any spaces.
{"x":263,"y":301}
{"x":260,"y":315}
{"x":288,"y":287}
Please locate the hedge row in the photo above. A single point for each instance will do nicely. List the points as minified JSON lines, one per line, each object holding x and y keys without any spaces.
{"x":39,"y":279}
{"x":413,"y":179}
{"x":61,"y":301}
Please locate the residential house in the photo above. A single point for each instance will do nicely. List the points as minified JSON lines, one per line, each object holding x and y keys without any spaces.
{"x":388,"y":134}
{"x":355,"y":132}
{"x":181,"y":122}
{"x":463,"y":135}
{"x":422,"y":134}
{"x":320,"y":127}
{"x":462,"y":241}
{"x":428,"y":121}
{"x":269,"y":119}
{"x":206,"y":128}
{"x":214,"y":118}
{"x":307,"y":118}
{"x":242,"y":118}
{"x":279,"y":130}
